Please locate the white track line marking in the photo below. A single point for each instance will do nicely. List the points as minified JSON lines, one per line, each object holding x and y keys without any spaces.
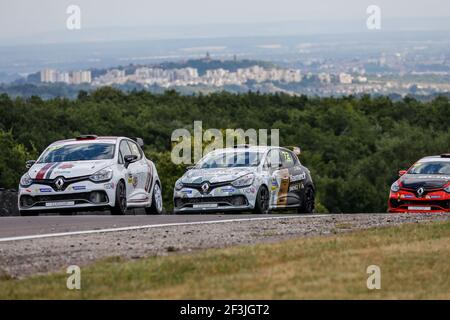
{"x":151,"y":226}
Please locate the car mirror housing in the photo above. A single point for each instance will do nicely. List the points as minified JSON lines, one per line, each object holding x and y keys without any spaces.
{"x":129,"y":159}
{"x":402,"y":172}
{"x":29,"y":163}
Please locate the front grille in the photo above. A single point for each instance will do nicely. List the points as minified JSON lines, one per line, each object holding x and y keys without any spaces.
{"x":67,"y":182}
{"x":78,"y":198}
{"x":212,"y":186}
{"x":427,"y":185}
{"x":434,"y":204}
{"x":237,"y":200}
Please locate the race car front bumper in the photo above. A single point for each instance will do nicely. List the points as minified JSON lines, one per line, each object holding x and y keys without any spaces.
{"x":407,"y":202}
{"x":81,"y":196}
{"x":224,"y":198}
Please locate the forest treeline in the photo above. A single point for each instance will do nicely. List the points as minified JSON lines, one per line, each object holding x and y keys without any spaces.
{"x":354,"y":147}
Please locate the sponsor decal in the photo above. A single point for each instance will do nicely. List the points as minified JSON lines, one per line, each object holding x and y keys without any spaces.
{"x":130,"y":178}
{"x":186,"y":191}
{"x":274,"y":184}
{"x":45,"y":189}
{"x":65,"y":166}
{"x":28,"y":190}
{"x":79,"y":188}
{"x":135,"y":181}
{"x":434,"y":177}
{"x":435,"y":197}
{"x":227,"y":189}
{"x":298,"y":177}
{"x":407,"y":196}
{"x":58,"y":172}
{"x":294,"y":187}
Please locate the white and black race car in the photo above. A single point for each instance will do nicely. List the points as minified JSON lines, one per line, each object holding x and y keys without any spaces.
{"x":246,"y":178}
{"x":91,"y":173}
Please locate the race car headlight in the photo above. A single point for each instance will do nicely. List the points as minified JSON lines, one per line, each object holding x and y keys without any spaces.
{"x":178,"y":185}
{"x":26,"y":180}
{"x":244,"y":181}
{"x":102,"y":175}
{"x":447,"y":188}
{"x":395,"y":186}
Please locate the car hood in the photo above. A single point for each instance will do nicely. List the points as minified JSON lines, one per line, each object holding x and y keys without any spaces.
{"x":433,"y":181}
{"x":67,"y":169}
{"x":215,"y":175}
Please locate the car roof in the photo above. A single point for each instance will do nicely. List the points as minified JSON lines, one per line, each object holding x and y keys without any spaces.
{"x":249,"y":148}
{"x":102,"y":139}
{"x":434,"y":159}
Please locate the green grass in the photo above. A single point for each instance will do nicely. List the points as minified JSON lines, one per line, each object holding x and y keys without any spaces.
{"x":414,"y":261}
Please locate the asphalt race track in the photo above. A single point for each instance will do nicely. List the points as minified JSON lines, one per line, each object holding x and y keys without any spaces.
{"x":11,"y":227}
{"x":33,"y":245}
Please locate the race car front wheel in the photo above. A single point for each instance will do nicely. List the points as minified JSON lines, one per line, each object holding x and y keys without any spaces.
{"x":307,"y":205}
{"x":157,"y":204}
{"x":262,"y":201}
{"x":120,"y":206}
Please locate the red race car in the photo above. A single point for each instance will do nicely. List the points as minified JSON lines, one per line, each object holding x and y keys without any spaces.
{"x":425,"y":187}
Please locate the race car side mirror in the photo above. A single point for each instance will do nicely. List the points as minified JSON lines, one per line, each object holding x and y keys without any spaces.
{"x":29,"y":163}
{"x":130,"y":158}
{"x":401,"y":172}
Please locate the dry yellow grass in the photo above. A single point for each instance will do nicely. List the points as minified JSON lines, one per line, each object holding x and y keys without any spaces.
{"x":414,"y":262}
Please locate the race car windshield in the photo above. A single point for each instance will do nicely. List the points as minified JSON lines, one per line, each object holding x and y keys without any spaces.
{"x":230,"y":160}
{"x":78,"y":152}
{"x":438,"y":167}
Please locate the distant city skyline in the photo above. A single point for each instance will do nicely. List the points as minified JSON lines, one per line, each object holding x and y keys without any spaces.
{"x":21,"y":21}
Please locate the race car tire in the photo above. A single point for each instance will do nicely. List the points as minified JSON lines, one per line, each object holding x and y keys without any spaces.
{"x":120,"y":207}
{"x":157,"y":204}
{"x":28,"y":213}
{"x":307,"y":205}
{"x":262,"y":201}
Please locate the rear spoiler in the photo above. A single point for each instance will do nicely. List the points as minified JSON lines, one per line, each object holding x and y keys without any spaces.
{"x":140,"y":142}
{"x":296,"y":150}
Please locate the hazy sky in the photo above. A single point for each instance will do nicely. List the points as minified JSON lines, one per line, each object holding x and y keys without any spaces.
{"x":27,"y":17}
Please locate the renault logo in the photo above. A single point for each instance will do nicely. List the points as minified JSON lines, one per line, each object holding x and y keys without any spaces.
{"x":59,"y":183}
{"x":205,"y":187}
{"x":420,"y":191}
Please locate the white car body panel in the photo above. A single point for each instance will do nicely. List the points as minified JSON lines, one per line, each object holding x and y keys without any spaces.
{"x":139,"y":178}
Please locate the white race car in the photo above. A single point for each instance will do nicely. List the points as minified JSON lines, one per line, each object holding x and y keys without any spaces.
{"x":91,"y":173}
{"x":246,"y":178}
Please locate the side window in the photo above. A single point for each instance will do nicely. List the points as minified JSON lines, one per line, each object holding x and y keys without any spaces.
{"x":124,"y":150}
{"x":287,"y":159}
{"x":273,"y":159}
{"x":135,"y":149}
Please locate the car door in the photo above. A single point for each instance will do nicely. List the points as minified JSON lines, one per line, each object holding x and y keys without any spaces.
{"x":279,"y":184}
{"x":140,"y":168}
{"x":297,"y":177}
{"x":131,"y":174}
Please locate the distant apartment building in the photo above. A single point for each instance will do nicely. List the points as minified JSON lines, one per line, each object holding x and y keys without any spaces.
{"x":48,"y":75}
{"x":53,"y":76}
{"x":83,"y":76}
{"x":345,"y":78}
{"x":63,"y":77}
